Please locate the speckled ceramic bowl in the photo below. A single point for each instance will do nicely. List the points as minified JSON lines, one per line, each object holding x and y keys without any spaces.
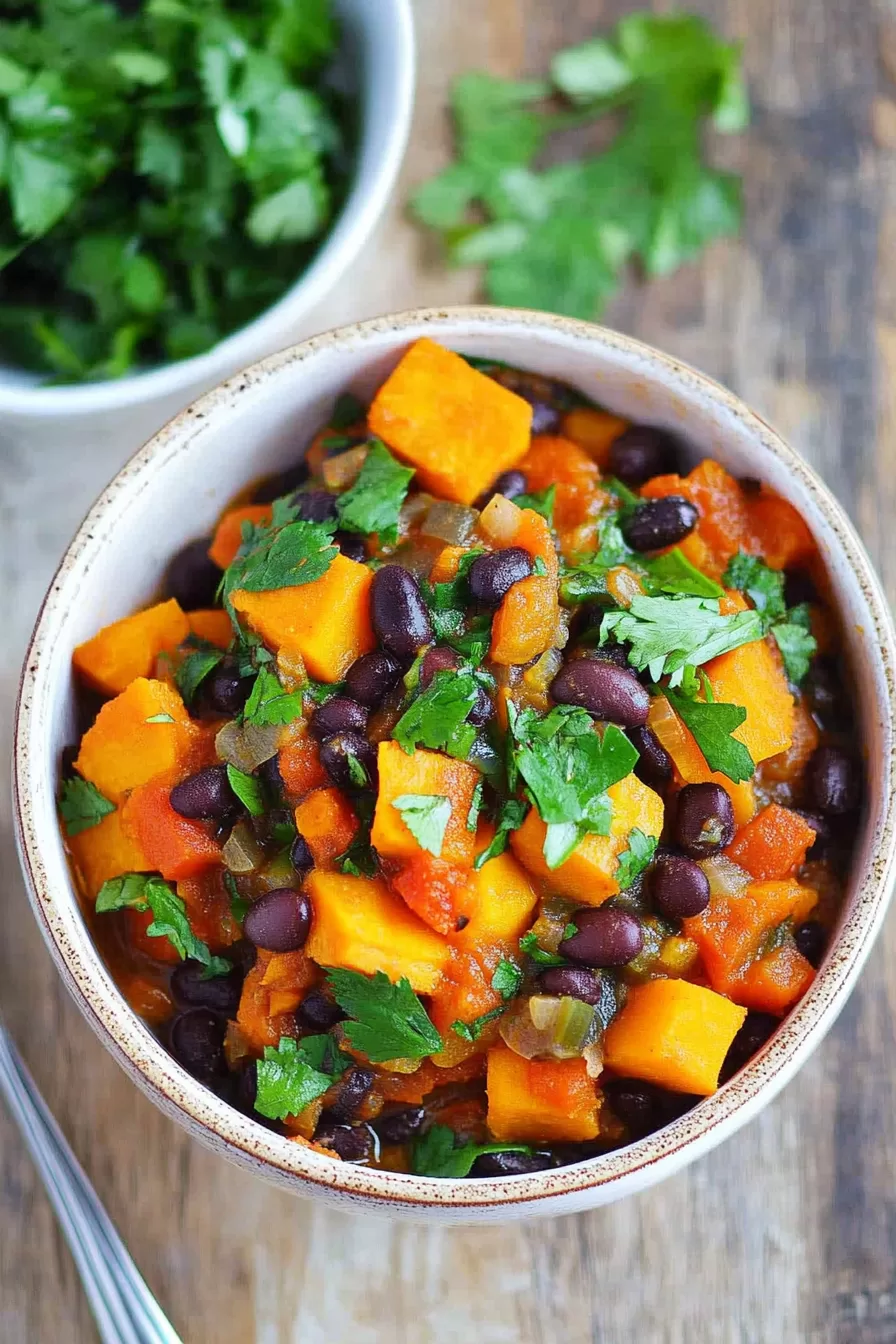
{"x":174,"y":489}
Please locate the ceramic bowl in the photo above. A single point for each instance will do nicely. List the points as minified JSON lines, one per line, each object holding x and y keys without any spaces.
{"x":377,"y":57}
{"x":175,"y":488}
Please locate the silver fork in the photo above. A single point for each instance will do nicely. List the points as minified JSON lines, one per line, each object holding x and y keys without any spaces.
{"x":124,"y":1309}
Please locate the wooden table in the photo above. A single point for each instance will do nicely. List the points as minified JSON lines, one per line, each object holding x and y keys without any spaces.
{"x":786,"y":1233}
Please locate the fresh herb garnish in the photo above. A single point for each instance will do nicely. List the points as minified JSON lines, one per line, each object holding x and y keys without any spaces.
{"x":529,"y":944}
{"x":359,"y":860}
{"x":200,"y":659}
{"x":510,"y":818}
{"x":437,"y":1153}
{"x":437,"y":717}
{"x":471,"y":1031}
{"x":792,"y":629}
{"x":239,"y":905}
{"x":374,"y":502}
{"x":475,"y":808}
{"x":81,"y":806}
{"x":347,"y":410}
{"x":389,"y":1021}
{"x":137,"y":891}
{"x":666,"y":634}
{"x":542,"y":501}
{"x":797,"y":644}
{"x":634,"y":859}
{"x":248,"y":789}
{"x":159,"y":718}
{"x":560,"y":238}
{"x":268,"y":704}
{"x":285,"y":554}
{"x":674,"y":573}
{"x":712,"y":726}
{"x":426,"y":817}
{"x":295,"y":1073}
{"x":507,"y":979}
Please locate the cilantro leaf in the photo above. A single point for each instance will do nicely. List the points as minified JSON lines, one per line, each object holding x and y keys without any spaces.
{"x":798,"y":647}
{"x":347,"y":410}
{"x":374,"y":502}
{"x":239,"y":905}
{"x":674,"y":573}
{"x":507,"y":979}
{"x":159,"y":718}
{"x":360,"y":859}
{"x":284,"y":556}
{"x":510,"y":818}
{"x":248,"y":789}
{"x":712,"y":726}
{"x":763,"y":586}
{"x":530,"y":945}
{"x":475,"y":808}
{"x":634,"y":859}
{"x":389,"y":1021}
{"x":542,"y":501}
{"x":437,"y":1153}
{"x":81,"y":806}
{"x":437,"y":717}
{"x":268,"y":704}
{"x":201,"y":659}
{"x":471,"y":1031}
{"x":137,"y":891}
{"x":668,"y":633}
{"x":426,"y":817}
{"x":287,"y":1082}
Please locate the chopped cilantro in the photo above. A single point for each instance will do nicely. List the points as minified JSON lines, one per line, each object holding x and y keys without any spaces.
{"x":287,"y":1081}
{"x":634,"y":859}
{"x":374,"y":502}
{"x":507,"y":978}
{"x":668,"y":633}
{"x":475,"y":808}
{"x":137,"y":891}
{"x":796,"y":642}
{"x":248,"y":789}
{"x":437,"y":717}
{"x":389,"y":1021}
{"x":81,"y":806}
{"x":542,"y":501}
{"x":674,"y":573}
{"x":512,"y":815}
{"x":347,"y":410}
{"x":471,"y":1031}
{"x":268,"y":704}
{"x":360,"y":859}
{"x":201,"y":659}
{"x":712,"y":726}
{"x":529,"y":944}
{"x":160,"y":718}
{"x":437,"y":1153}
{"x":285,"y":554}
{"x":239,"y":906}
{"x":426,"y":817}
{"x":763,"y":586}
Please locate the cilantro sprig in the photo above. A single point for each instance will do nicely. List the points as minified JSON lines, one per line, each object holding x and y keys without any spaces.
{"x":374,"y":502}
{"x":137,"y":891}
{"x":388,"y":1020}
{"x":437,"y":717}
{"x":667,"y":634}
{"x":269,"y":705}
{"x":200,"y":658}
{"x":82,"y":806}
{"x":426,"y":817}
{"x":791,"y":629}
{"x":294,"y":1073}
{"x":636,"y":858}
{"x":712,"y":726}
{"x":438,"y":1153}
{"x":286,"y":553}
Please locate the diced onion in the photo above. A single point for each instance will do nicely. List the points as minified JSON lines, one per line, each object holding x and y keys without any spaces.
{"x":342,"y":470}
{"x":539,"y":676}
{"x":413,"y":508}
{"x":725,"y":877}
{"x":247,"y":745}
{"x":623,"y":584}
{"x":451,"y":523}
{"x":547,"y":1027}
{"x":500,"y":519}
{"x":242,"y":852}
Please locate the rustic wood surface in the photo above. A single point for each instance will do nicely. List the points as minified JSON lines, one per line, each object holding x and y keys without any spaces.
{"x":786,"y":1233}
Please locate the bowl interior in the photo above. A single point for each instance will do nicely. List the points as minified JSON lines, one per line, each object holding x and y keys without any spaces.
{"x":174,"y":490}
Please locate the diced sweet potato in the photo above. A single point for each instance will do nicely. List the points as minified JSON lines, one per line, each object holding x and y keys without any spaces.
{"x":773,"y":845}
{"x":432,"y":774}
{"x":360,"y":925}
{"x":773,"y":984}
{"x":300,"y":767}
{"x":128,"y":648}
{"x":780,"y":535}
{"x":556,"y":461}
{"x":504,"y":902}
{"x":525,"y":624}
{"x":540,"y":1100}
{"x":327,"y":622}
{"x":724,"y":523}
{"x":328,"y":823}
{"x":213,"y":625}
{"x":459,"y":428}
{"x":259,"y":1025}
{"x":753,"y":677}
{"x":105,"y":851}
{"x":673,"y":1033}
{"x":446,"y":564}
{"x":123,"y":749}
{"x":593,"y":430}
{"x":463,"y":994}
{"x":229,"y":532}
{"x":175,"y":846}
{"x":589,"y":874}
{"x":441,"y":893}
{"x":731,"y":930}
{"x":690,"y":763}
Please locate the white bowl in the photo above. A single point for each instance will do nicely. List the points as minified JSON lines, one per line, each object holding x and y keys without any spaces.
{"x":174,"y":489}
{"x":378,"y":46}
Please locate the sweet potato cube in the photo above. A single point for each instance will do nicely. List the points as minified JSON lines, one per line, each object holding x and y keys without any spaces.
{"x":105,"y":851}
{"x":430,"y":773}
{"x":540,"y":1100}
{"x":360,"y":925}
{"x":773,"y":984}
{"x":123,"y":749}
{"x":773,"y":844}
{"x":525,"y":624}
{"x":211,"y":624}
{"x":673,"y":1033}
{"x":593,"y":430}
{"x":505,"y":901}
{"x":730,"y":931}
{"x":229,"y":533}
{"x":326,"y":623}
{"x":589,"y":874}
{"x":175,"y":846}
{"x":753,"y":676}
{"x":326,"y":820}
{"x":128,"y":648}
{"x":459,"y":428}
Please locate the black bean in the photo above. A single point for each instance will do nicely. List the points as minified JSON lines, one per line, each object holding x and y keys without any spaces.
{"x":351,"y":1143}
{"x":339,"y":714}
{"x":224,"y":690}
{"x":197,"y":1042}
{"x":319,"y":1012}
{"x":509,"y":1164}
{"x":315,"y":506}
{"x":273,"y":825}
{"x":244,"y":955}
{"x":603,"y":937}
{"x":246,"y":1088}
{"x":350,"y":761}
{"x":285,"y":481}
{"x":437,"y":660}
{"x":820,"y":825}
{"x":398,"y":612}
{"x":372,"y":676}
{"x":704,"y":820}
{"x":279,"y":921}
{"x":509,"y":484}
{"x":351,"y":545}
{"x":192,"y":578}
{"x":269,"y":771}
{"x":811,"y":939}
{"x":573,"y":982}
{"x":798,"y":588}
{"x":640,"y":1106}
{"x":399,"y":1126}
{"x":207,"y":795}
{"x":654,"y":765}
{"x":679,"y":887}
{"x":609,"y":653}
{"x":657,"y":523}
{"x":300,"y":856}
{"x":754,"y":1033}
{"x":483,"y":708}
{"x":492,"y":576}
{"x":545,"y":396}
{"x":833,"y":783}
{"x":605,"y":690}
{"x":822,"y":690}
{"x":219,"y":993}
{"x":643,"y":451}
{"x":349,"y":1096}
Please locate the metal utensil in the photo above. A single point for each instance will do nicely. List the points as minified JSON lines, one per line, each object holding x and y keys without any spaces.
{"x":124,"y":1309}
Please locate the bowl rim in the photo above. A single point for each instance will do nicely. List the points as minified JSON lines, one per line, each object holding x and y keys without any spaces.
{"x":360,"y":211}
{"x":296,"y":1166}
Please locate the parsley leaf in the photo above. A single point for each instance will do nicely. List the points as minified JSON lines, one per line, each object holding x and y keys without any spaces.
{"x":712,"y":726}
{"x":81,"y":806}
{"x":507,"y":979}
{"x":137,"y":891}
{"x":634,"y":859}
{"x":268,"y":704}
{"x":248,"y":789}
{"x":510,"y":818}
{"x":426,"y":817}
{"x":287,"y":1081}
{"x":763,"y":586}
{"x":389,"y":1022}
{"x":437,"y":718}
{"x":201,"y":659}
{"x":668,"y":633}
{"x":374,"y":502}
{"x":542,"y":501}
{"x":437,"y":1153}
{"x":529,"y":944}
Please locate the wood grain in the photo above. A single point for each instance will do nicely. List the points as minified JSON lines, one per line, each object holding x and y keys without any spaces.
{"x":787,"y":1233}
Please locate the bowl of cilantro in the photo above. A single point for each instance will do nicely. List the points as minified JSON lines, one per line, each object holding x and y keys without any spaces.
{"x":185,"y":182}
{"x":177,"y":487}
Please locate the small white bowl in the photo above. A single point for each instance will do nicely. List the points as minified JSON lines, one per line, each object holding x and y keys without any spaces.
{"x":378,"y":47}
{"x":174,"y":489}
